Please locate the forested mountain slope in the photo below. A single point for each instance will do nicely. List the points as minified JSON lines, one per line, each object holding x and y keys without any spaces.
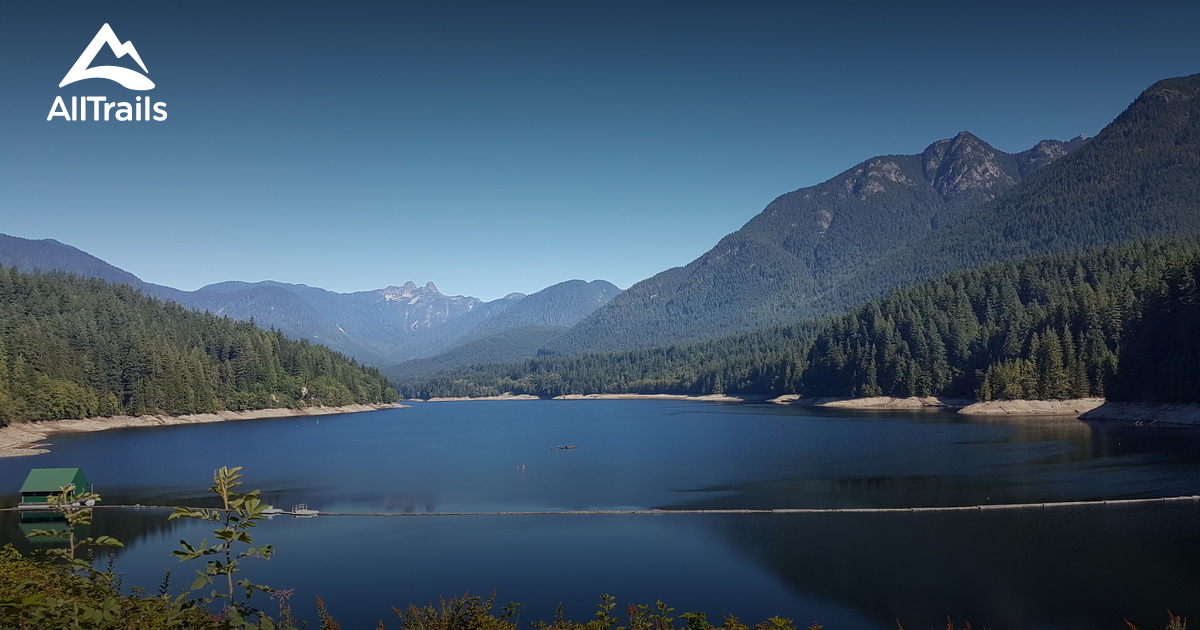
{"x":1138,"y":178}
{"x":563,"y":304}
{"x":1049,"y":327}
{"x":73,"y":347}
{"x":513,"y":344}
{"x":809,"y":241}
{"x":895,"y":220}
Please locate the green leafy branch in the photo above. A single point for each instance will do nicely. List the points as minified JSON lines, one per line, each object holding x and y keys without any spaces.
{"x":236,"y":516}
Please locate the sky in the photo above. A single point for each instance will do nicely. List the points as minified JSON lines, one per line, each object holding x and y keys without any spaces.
{"x":493,"y":147}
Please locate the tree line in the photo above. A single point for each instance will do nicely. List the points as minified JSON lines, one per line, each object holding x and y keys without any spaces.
{"x":73,"y":347}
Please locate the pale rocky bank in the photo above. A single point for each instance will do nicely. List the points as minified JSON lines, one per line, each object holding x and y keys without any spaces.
{"x":1075,"y":407}
{"x":884,"y":402}
{"x":28,"y":438}
{"x":1084,"y":408}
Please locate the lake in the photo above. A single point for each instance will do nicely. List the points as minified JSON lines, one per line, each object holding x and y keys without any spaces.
{"x":1077,"y":567}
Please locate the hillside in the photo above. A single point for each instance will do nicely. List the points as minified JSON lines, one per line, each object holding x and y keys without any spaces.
{"x":73,"y":347}
{"x":46,"y":255}
{"x":509,"y":345}
{"x":895,"y":220}
{"x":1057,"y":326}
{"x":563,"y":304}
{"x":808,"y":242}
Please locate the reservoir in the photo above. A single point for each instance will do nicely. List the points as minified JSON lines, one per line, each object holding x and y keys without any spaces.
{"x":1062,"y":567}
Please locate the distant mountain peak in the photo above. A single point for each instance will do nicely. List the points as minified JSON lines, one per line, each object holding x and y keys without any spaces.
{"x":514,"y":296}
{"x":409,"y":290}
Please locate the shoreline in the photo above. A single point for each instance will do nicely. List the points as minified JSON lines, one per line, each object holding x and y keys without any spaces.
{"x":883,"y":403}
{"x":29,"y":438}
{"x":782,"y":400}
{"x":1178,"y":414}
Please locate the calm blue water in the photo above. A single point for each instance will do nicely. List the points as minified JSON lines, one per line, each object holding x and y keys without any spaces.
{"x":1062,"y":568}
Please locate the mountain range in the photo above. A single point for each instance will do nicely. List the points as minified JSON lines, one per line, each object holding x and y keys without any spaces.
{"x":807,"y":243}
{"x":381,"y":327}
{"x":888,"y":222}
{"x":1125,"y":204}
{"x":891,"y":221}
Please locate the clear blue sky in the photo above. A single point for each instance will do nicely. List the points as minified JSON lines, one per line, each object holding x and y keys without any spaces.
{"x":493,"y":147}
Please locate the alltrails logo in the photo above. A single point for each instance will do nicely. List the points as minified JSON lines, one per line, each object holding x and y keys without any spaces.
{"x":142,"y":108}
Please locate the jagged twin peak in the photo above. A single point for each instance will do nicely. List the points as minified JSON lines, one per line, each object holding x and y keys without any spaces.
{"x":411,"y":293}
{"x":408,"y":292}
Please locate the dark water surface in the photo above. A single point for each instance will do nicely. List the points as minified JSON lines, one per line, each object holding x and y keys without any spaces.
{"x":1086,"y":567}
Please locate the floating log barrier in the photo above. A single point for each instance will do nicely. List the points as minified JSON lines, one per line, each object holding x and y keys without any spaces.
{"x":660,"y":512}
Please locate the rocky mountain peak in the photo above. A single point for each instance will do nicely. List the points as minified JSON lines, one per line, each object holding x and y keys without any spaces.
{"x":963,"y":164}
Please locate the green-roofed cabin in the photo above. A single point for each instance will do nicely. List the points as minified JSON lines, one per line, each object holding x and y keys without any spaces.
{"x":43,"y":482}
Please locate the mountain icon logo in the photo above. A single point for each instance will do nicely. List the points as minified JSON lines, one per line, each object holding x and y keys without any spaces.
{"x":131,"y":79}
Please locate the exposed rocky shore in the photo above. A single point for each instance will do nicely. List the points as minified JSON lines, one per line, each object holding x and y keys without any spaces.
{"x":28,"y":438}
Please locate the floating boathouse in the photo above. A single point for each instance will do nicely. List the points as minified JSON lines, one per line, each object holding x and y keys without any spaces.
{"x":43,"y":482}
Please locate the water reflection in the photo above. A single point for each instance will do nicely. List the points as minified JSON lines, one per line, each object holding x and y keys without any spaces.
{"x":1060,"y":567}
{"x":127,"y":526}
{"x":1040,"y":428}
{"x":34,"y":521}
